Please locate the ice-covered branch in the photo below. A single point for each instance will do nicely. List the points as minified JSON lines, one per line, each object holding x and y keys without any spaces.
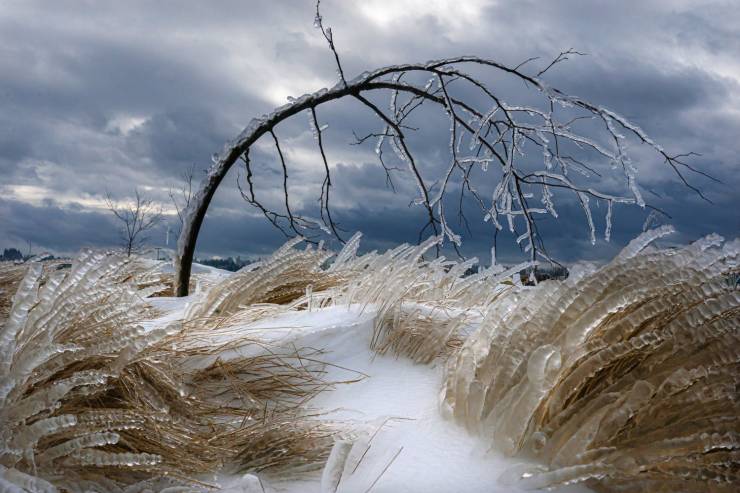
{"x":522,"y":151}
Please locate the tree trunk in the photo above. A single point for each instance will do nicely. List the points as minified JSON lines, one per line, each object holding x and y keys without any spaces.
{"x":192,"y":220}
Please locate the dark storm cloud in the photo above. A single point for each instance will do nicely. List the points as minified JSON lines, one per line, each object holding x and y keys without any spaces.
{"x":108,"y":97}
{"x":175,"y":139}
{"x":64,"y":229}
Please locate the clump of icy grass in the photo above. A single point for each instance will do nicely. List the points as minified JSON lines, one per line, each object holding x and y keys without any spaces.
{"x":625,"y":376}
{"x":11,"y":275}
{"x":622,"y":377}
{"x":95,"y":397}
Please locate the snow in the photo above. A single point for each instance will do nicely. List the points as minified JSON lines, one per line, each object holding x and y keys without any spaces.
{"x":407,"y":445}
{"x":197,"y":269}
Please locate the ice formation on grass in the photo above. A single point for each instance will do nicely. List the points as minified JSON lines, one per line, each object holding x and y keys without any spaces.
{"x":623,"y":377}
{"x":11,"y":275}
{"x":94,"y":397}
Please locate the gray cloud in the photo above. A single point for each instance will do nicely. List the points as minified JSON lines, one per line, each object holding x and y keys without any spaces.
{"x":109,"y":97}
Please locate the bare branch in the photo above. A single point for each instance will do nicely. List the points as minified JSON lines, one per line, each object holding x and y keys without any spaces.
{"x":498,"y":134}
{"x":181,"y":198}
{"x":249,"y":196}
{"x":563,"y":56}
{"x":405,"y":155}
{"x":136,"y":219}
{"x":291,"y":217}
{"x":326,"y":185}
{"x":329,"y":36}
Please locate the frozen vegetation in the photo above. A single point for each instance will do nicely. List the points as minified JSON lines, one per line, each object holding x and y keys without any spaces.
{"x":386,"y":372}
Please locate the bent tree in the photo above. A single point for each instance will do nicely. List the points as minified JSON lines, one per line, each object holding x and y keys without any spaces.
{"x":526,"y":150}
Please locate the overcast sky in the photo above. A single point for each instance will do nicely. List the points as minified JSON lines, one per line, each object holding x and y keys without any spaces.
{"x":106,"y":97}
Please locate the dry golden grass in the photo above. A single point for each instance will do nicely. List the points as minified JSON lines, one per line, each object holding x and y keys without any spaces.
{"x":11,"y":275}
{"x":624,"y":377}
{"x":419,"y":333}
{"x":90,"y":390}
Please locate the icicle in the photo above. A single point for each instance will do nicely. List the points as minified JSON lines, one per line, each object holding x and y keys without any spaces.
{"x":547,"y":201}
{"x":381,"y":139}
{"x":332,"y":472}
{"x":589,"y":218}
{"x":85,"y":441}
{"x":100,"y":458}
{"x":608,"y":229}
{"x":632,"y":183}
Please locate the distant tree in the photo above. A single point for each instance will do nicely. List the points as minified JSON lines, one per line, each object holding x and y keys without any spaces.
{"x":181,"y":196}
{"x":228,"y":263}
{"x":135,"y":220}
{"x":524,"y":153}
{"x":11,"y":254}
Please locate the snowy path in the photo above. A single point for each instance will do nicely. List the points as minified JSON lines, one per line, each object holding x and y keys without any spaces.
{"x":412,"y":449}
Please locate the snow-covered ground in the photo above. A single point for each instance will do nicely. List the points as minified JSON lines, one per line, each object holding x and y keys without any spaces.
{"x":408,"y":445}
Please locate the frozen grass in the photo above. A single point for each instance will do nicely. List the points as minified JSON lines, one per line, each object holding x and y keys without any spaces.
{"x":623,"y":377}
{"x":11,"y":275}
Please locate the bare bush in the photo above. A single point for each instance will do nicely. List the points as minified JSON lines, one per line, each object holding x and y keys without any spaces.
{"x":136,"y":219}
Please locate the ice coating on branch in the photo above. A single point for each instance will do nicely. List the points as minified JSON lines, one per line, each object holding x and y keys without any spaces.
{"x":492,"y":126}
{"x":312,"y":125}
{"x":381,"y":139}
{"x":589,"y":218}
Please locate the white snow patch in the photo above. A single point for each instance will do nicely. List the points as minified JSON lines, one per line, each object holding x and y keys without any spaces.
{"x":407,"y":446}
